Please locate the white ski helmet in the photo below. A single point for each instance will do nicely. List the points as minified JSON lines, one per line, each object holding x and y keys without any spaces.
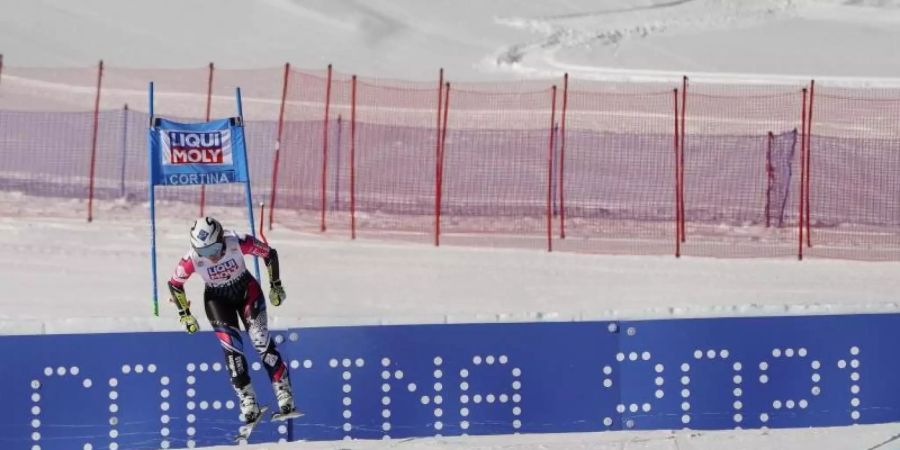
{"x":207,"y":237}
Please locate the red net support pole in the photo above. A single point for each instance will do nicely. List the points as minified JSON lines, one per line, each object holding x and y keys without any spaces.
{"x":684,"y":88}
{"x":325,"y":146}
{"x":440,"y":162}
{"x":353,"y":158}
{"x":809,"y":122}
{"x":124,"y":154}
{"x":277,"y":157}
{"x":802,"y":178}
{"x":677,"y":182}
{"x":437,"y":159}
{"x":550,"y":171}
{"x":94,"y":143}
{"x":209,"y":87}
{"x":336,"y":203}
{"x":444,"y":126}
{"x":562,"y":159}
{"x":770,"y":177}
{"x":262,"y":215}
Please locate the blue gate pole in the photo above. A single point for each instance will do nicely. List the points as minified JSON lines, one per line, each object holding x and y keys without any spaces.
{"x":249,"y":193}
{"x":152,"y":210}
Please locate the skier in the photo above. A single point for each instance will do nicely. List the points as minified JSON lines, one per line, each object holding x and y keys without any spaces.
{"x":232,"y":293}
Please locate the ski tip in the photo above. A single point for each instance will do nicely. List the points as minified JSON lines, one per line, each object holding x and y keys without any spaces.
{"x":286,"y":416}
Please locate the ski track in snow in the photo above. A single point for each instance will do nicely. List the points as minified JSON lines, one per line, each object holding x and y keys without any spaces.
{"x":613,"y":27}
{"x":610,"y":27}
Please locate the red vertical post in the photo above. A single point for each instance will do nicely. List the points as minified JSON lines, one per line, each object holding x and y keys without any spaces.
{"x":262,"y":215}
{"x":209,"y":86}
{"x":325,"y":145}
{"x":684,"y":87}
{"x":353,"y":158}
{"x":770,"y":177}
{"x":802,"y":178}
{"x":1,"y":66}
{"x":440,"y":162}
{"x":809,"y":122}
{"x":94,"y":143}
{"x":275,"y":163}
{"x":444,"y":132}
{"x":437,"y":159}
{"x":677,"y":182}
{"x":550,"y":171}
{"x":562,"y":159}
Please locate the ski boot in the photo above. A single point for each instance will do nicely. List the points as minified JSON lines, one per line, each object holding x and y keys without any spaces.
{"x":285,"y":397}
{"x":250,"y":411}
{"x":249,"y":406}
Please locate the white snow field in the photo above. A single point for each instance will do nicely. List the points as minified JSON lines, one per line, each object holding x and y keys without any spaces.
{"x":472,"y":39}
{"x":100,"y":271}
{"x":866,"y":437}
{"x":100,"y":274}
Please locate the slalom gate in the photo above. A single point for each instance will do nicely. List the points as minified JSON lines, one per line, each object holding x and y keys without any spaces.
{"x":170,"y":390}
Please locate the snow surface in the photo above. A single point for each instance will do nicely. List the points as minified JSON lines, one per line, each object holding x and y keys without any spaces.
{"x":61,"y":274}
{"x":865,"y":437}
{"x":101,"y":280}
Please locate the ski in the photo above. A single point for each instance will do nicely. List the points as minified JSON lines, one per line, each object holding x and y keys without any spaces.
{"x":280,"y":417}
{"x":246,"y":429}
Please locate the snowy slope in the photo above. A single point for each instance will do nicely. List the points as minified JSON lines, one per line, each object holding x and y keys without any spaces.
{"x":474,"y":40}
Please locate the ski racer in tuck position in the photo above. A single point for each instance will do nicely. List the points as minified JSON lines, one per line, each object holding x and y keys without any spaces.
{"x":231,"y":293}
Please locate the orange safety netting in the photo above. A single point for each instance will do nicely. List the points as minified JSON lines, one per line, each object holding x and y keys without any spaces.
{"x":611,"y":167}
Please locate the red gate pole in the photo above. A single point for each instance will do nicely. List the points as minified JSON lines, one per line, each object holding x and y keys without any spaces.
{"x":550,"y":171}
{"x":684,"y":89}
{"x":209,"y":85}
{"x":94,"y":143}
{"x":325,"y":145}
{"x":809,"y":122}
{"x":353,"y":159}
{"x":562,"y":159}
{"x":802,"y":178}
{"x":277,"y":159}
{"x":437,"y":159}
{"x":677,"y":183}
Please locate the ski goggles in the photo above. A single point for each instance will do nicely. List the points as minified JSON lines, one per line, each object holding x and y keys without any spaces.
{"x":210,"y":250}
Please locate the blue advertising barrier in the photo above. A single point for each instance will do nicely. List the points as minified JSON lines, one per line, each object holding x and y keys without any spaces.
{"x":169,"y":390}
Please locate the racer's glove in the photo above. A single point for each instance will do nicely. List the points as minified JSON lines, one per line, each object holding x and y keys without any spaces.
{"x":189,"y":322}
{"x":276,"y":293}
{"x":179,"y":298}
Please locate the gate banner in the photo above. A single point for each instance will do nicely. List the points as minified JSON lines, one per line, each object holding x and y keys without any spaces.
{"x":197,"y":153}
